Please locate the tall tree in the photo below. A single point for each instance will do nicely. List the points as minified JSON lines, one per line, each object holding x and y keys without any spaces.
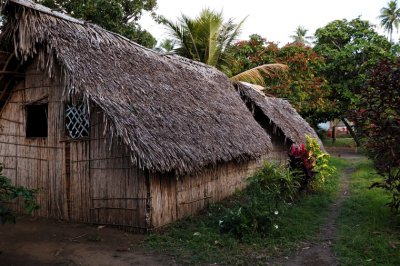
{"x":206,"y":38}
{"x":390,"y":18}
{"x":351,"y":49}
{"x":119,"y":16}
{"x":300,"y":35}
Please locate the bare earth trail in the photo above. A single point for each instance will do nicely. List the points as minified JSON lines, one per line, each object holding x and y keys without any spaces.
{"x":320,"y":252}
{"x":45,"y":242}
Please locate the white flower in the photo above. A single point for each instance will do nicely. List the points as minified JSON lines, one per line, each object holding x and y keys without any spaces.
{"x":276,"y":212}
{"x":220,"y":222}
{"x":276,"y":226}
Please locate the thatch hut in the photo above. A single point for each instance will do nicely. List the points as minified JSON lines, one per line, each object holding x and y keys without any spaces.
{"x":111,"y":132}
{"x":279,"y":119}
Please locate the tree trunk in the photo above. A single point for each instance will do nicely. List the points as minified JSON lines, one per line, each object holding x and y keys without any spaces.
{"x":333,"y":134}
{"x":351,"y":131}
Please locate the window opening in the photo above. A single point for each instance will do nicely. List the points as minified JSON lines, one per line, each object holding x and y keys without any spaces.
{"x":76,"y":121}
{"x":36,"y":121}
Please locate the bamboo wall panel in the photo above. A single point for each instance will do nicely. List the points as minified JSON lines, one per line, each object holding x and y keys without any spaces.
{"x":163,"y":199}
{"x":175,"y":198}
{"x":118,"y":193}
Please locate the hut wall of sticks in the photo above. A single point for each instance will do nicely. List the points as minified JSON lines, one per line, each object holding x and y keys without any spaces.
{"x":114,"y":133}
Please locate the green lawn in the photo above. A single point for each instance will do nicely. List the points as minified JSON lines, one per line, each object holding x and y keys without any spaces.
{"x":197,"y":240}
{"x":340,"y":142}
{"x":369,"y":234}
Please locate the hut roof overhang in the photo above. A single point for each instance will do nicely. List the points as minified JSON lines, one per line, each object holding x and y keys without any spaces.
{"x":172,"y":113}
{"x":279,"y":111}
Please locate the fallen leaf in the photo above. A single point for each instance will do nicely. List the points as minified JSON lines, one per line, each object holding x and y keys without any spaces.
{"x":392,"y":244}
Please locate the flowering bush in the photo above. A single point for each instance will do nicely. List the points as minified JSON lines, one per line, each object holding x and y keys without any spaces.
{"x":309,"y":164}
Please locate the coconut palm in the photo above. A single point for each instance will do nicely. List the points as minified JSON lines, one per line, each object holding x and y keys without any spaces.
{"x":300,"y":35}
{"x":166,"y":46}
{"x":390,"y":17}
{"x":206,"y":38}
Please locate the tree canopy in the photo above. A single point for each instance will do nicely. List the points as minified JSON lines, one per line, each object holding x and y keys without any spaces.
{"x":301,"y":85}
{"x":118,"y":16}
{"x":351,"y":49}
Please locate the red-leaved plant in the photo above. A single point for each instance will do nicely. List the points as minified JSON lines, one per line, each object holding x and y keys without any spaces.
{"x":302,"y":164}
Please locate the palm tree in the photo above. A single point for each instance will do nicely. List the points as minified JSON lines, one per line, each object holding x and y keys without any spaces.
{"x":166,"y":46}
{"x":300,"y":35}
{"x":256,"y":75}
{"x":390,"y":17}
{"x":206,"y":38}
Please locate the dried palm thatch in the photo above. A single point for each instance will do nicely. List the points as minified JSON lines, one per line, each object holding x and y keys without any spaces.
{"x":280,"y":113}
{"x":172,"y":113}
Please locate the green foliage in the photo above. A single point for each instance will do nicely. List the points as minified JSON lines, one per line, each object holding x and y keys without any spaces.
{"x":206,"y":38}
{"x":8,"y":192}
{"x":274,"y":183}
{"x":351,"y":49}
{"x":305,"y":89}
{"x":267,"y":194}
{"x":322,"y":165}
{"x":378,"y":123}
{"x":118,"y":16}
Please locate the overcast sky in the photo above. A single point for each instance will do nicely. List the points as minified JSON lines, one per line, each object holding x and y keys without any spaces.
{"x":275,"y":20}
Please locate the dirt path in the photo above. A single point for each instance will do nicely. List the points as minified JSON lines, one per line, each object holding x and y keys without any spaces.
{"x":320,"y":252}
{"x":38,"y":241}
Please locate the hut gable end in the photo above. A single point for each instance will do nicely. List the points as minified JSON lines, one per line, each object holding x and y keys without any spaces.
{"x":279,"y":112}
{"x":172,"y":114}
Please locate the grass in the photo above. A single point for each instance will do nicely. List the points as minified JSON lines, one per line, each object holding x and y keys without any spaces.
{"x":340,"y":142}
{"x":197,"y":240}
{"x":369,"y":234}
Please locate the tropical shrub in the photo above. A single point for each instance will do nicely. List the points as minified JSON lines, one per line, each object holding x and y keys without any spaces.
{"x":378,"y":123}
{"x":8,"y":192}
{"x":309,"y":164}
{"x":266,"y":195}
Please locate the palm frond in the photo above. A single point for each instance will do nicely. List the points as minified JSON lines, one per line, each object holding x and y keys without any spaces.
{"x":256,"y":75}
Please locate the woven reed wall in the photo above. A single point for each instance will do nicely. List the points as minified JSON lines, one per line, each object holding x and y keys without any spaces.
{"x":174,"y":198}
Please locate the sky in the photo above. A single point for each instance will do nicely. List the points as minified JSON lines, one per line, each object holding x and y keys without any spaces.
{"x":274,"y":20}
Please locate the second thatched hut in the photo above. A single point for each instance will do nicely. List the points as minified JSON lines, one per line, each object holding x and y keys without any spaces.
{"x":278,"y":118}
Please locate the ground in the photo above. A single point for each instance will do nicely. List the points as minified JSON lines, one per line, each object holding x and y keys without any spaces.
{"x":39,"y":241}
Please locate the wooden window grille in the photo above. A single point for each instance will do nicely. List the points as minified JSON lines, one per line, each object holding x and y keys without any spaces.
{"x":77,"y":121}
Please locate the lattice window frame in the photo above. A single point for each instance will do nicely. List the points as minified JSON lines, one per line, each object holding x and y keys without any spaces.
{"x":76,"y":119}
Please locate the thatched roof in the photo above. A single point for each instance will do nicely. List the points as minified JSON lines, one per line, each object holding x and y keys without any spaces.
{"x":280,"y":113}
{"x":173,"y":114}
